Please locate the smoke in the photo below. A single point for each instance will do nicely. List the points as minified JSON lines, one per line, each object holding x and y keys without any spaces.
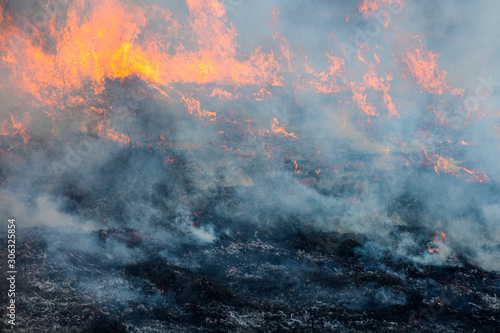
{"x":353,"y":168}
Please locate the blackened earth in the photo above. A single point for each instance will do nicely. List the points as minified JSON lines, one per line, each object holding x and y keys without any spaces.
{"x":251,"y":281}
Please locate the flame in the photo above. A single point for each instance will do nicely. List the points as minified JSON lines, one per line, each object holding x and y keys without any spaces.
{"x":88,"y":52}
{"x":106,"y":44}
{"x":422,"y":65}
{"x":432,"y":250}
{"x":67,"y":66}
{"x":296,"y":167}
{"x":20,"y":127}
{"x":370,"y":7}
{"x":277,"y":129}
{"x":110,"y":133}
{"x":328,"y":82}
{"x":438,"y":239}
{"x":372,"y":81}
{"x":194,"y":107}
{"x":448,"y":165}
{"x":217,"y":92}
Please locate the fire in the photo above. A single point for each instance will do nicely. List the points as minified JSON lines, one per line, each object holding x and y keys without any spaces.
{"x":422,"y":65}
{"x":223,"y":94}
{"x":67,"y":67}
{"x":449,"y":166}
{"x":296,"y":167}
{"x":106,"y":44}
{"x":438,"y":239}
{"x":327,"y":82}
{"x":432,"y":250}
{"x":112,"y":134}
{"x":194,"y":107}
{"x":370,"y":7}
{"x":372,"y":81}
{"x":15,"y":128}
{"x":277,"y":129}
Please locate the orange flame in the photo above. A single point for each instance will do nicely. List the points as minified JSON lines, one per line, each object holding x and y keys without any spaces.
{"x":438,"y":239}
{"x":16,"y":128}
{"x":67,"y":67}
{"x":296,"y":166}
{"x":106,"y":44}
{"x":194,"y":107}
{"x":110,"y":133}
{"x":370,"y":7}
{"x":372,"y":81}
{"x":277,"y":129}
{"x":449,"y":166}
{"x":422,"y":65}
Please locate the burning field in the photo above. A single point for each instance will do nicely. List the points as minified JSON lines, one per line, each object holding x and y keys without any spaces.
{"x":250,"y":166}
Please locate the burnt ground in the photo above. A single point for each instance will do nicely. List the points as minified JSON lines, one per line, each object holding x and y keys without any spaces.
{"x":301,"y":281}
